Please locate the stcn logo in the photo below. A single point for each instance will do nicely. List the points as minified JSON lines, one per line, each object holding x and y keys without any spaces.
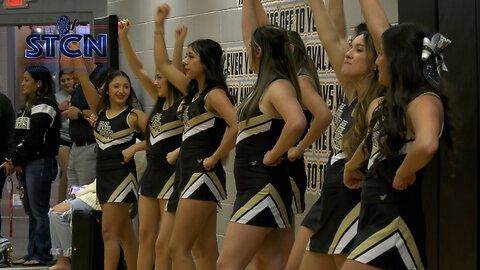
{"x":90,"y":44}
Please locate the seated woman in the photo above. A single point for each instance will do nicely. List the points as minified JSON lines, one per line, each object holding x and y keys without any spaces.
{"x":60,"y":217}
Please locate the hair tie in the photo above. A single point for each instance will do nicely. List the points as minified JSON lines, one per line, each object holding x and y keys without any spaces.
{"x":433,"y":58}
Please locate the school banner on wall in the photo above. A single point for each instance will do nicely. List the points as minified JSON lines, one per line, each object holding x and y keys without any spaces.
{"x":292,"y":16}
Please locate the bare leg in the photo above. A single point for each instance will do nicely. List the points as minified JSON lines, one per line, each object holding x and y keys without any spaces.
{"x":318,"y":260}
{"x":184,"y":234}
{"x":205,"y":249}
{"x":269,"y":255}
{"x":163,"y":260}
{"x":240,"y":245}
{"x":340,"y":259}
{"x":63,"y":263}
{"x":288,"y":238}
{"x":298,"y":249}
{"x":117,"y":229}
{"x":354,"y":265}
{"x":149,"y":219}
{"x":62,"y":159}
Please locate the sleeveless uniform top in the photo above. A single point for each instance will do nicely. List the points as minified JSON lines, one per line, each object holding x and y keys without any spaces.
{"x":380,"y":190}
{"x":343,"y":121}
{"x":203,"y":132}
{"x":264,"y":193}
{"x":165,"y":131}
{"x":257,"y":136}
{"x":390,"y":219}
{"x":116,"y":180}
{"x":113,"y":135}
{"x":165,"y":136}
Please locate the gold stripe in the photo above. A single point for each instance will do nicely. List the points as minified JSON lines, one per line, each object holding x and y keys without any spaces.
{"x":269,"y":189}
{"x":192,"y":180}
{"x":198,"y":119}
{"x":217,"y":183}
{"x":396,"y":224}
{"x":308,"y":245}
{"x":346,"y":223}
{"x":167,"y":186}
{"x":166,"y":127}
{"x":115,"y":136}
{"x":254,"y":121}
{"x":122,"y":186}
{"x":296,"y":194}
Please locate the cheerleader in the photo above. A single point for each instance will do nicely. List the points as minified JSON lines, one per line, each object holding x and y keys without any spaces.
{"x":115,"y":130}
{"x":406,"y":126}
{"x":271,"y":121}
{"x":163,"y":137}
{"x":209,"y":134}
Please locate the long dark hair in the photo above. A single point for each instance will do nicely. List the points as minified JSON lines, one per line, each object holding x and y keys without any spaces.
{"x":104,"y":96}
{"x":402,"y":46}
{"x":276,"y":62}
{"x":354,"y":136}
{"x":303,"y":62}
{"x":40,"y":73}
{"x":211,"y":56}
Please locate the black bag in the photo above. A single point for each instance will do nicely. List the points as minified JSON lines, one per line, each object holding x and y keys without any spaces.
{"x":87,"y":242}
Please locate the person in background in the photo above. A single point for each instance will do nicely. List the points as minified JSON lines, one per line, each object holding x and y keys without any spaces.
{"x":82,"y":162}
{"x":7,"y":135}
{"x":163,"y":136}
{"x":61,"y":217}
{"x":37,"y":134}
{"x":63,"y":99}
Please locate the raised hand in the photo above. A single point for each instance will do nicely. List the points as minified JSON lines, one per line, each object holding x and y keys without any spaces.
{"x":123,"y":27}
{"x":181,"y":33}
{"x":162,"y":13}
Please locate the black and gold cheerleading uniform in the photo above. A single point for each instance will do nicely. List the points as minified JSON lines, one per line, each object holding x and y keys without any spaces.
{"x":116,"y":180}
{"x":298,"y":175}
{"x":264,"y":193}
{"x":334,"y":216}
{"x":296,"y":169}
{"x":391,"y":229}
{"x":165,"y":136}
{"x":202,"y":135}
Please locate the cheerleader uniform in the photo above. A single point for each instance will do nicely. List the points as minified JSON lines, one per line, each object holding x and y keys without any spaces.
{"x":165,"y":136}
{"x":391,"y":229}
{"x":263,"y":193}
{"x":334,"y":216}
{"x":296,"y":170}
{"x":202,"y":134}
{"x":116,"y":180}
